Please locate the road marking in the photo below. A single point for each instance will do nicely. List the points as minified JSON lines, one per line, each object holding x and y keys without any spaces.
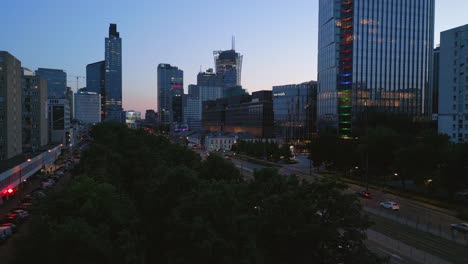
{"x":391,"y":254}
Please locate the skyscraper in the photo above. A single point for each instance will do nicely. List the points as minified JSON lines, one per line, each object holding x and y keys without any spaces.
{"x":35,"y":111}
{"x":95,"y":77}
{"x":373,"y":55}
{"x":10,"y":106}
{"x":435,"y":81}
{"x":170,"y":86}
{"x":453,"y":88}
{"x":113,"y":76}
{"x":87,"y":107}
{"x":228,"y":65}
{"x":56,"y":82}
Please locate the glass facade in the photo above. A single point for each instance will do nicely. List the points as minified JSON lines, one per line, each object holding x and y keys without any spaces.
{"x":95,"y":77}
{"x":228,"y":64}
{"x":294,"y":111}
{"x":113,"y":76}
{"x":374,"y":55}
{"x":56,"y":82}
{"x":170,"y":88}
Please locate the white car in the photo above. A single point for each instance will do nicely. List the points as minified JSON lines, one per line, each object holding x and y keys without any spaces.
{"x":22,"y":213}
{"x":390,"y":205}
{"x":462,"y":227}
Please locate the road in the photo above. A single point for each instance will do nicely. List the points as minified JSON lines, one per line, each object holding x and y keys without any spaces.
{"x":422,"y":216}
{"x":8,"y":249}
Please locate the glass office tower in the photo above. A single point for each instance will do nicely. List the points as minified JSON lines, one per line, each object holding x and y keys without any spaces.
{"x":170,"y":90}
{"x":373,"y":55}
{"x":56,"y":82}
{"x":113,"y":76}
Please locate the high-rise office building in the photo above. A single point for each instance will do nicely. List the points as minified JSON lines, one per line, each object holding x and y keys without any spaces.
{"x":170,"y":86}
{"x":228,"y":65}
{"x":95,"y":77}
{"x":10,"y":106}
{"x":59,"y":121}
{"x":56,"y":82}
{"x":294,"y":108}
{"x":87,"y":107}
{"x":113,"y":76}
{"x":35,"y":111}
{"x":453,"y":84}
{"x":435,"y":82}
{"x":373,"y":55}
{"x":251,"y":114}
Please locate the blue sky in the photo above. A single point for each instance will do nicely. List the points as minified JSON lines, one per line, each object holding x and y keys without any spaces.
{"x":277,"y":38}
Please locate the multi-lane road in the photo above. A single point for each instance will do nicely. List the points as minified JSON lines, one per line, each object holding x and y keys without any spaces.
{"x":417,"y":217}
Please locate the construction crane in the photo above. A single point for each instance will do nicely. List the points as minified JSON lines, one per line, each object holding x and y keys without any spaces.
{"x":77,"y":80}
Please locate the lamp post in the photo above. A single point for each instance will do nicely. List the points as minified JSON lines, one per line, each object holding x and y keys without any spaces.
{"x":367,"y":149}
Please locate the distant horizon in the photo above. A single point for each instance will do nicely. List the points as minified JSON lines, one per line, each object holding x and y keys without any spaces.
{"x":278,"y":40}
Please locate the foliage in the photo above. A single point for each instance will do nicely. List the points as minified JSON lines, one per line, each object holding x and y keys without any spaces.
{"x":394,"y":144}
{"x":264,"y":150}
{"x":140,"y":199}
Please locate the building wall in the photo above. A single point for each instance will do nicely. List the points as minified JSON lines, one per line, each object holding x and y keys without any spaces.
{"x":59,"y":121}
{"x":294,"y":108}
{"x":453,"y":84}
{"x":34,"y":116}
{"x":113,"y":76}
{"x":169,"y":77}
{"x":56,"y":82}
{"x":10,"y":106}
{"x":374,"y":54}
{"x":88,"y":107}
{"x":240,"y":114}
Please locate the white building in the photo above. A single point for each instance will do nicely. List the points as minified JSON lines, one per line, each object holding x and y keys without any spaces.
{"x":88,"y":107}
{"x":59,"y":121}
{"x":453,"y":84}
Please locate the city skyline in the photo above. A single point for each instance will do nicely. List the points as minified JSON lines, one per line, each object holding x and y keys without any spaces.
{"x":278,"y":41}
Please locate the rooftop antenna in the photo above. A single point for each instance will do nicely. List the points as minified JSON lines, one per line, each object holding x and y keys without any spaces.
{"x":200,"y":68}
{"x":233,"y":42}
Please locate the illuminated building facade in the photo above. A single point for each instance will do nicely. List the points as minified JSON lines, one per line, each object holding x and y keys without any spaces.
{"x":294,"y":108}
{"x":373,"y":54}
{"x":170,"y":92}
{"x":113,"y":76}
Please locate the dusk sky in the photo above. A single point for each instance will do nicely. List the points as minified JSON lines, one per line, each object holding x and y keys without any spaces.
{"x":277,"y":38}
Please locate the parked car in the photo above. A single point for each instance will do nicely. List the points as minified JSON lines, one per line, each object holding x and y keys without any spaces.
{"x":364,"y":194}
{"x":39,"y":194}
{"x":463,"y":193}
{"x":5,"y":232}
{"x":462,"y":227}
{"x":47,"y":183}
{"x":390,"y":205}
{"x":13,"y":227}
{"x":21,"y":213}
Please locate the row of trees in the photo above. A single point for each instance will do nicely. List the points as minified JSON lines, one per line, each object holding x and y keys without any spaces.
{"x":392,"y":150}
{"x":263,"y":150}
{"x":137,"y":198}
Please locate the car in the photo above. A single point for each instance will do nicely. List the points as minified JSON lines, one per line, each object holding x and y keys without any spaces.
{"x":13,"y":227}
{"x":390,"y":205}
{"x":21,"y":213}
{"x":5,"y":233}
{"x":364,"y":194}
{"x":462,"y":227}
{"x":463,"y":193}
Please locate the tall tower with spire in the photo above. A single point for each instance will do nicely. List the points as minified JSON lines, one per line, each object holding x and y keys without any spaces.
{"x":228,"y":64}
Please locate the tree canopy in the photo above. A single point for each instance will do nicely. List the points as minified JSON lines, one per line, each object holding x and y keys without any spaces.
{"x":137,"y":198}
